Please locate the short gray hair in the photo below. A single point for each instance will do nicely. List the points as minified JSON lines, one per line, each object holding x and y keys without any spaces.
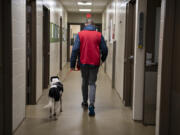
{"x":89,"y":21}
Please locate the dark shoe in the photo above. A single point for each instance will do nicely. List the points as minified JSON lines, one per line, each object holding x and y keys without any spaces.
{"x":91,"y":110}
{"x":84,"y":105}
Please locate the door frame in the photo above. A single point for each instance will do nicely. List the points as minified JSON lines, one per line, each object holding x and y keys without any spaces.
{"x":68,"y":43}
{"x":165,"y":67}
{"x":61,"y":42}
{"x":6,"y":67}
{"x":32,"y":75}
{"x":150,"y":41}
{"x":105,"y":63}
{"x":129,"y":41}
{"x":46,"y":47}
{"x":114,"y":64}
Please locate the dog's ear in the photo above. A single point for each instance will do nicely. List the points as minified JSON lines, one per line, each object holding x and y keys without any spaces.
{"x":54,"y":77}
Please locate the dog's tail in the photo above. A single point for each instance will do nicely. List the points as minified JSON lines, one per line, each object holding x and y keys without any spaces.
{"x":49,"y":105}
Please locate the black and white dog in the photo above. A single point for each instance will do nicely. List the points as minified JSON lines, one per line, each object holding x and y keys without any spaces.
{"x":55,"y":97}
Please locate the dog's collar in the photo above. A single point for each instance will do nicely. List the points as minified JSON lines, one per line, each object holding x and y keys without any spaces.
{"x":53,"y":86}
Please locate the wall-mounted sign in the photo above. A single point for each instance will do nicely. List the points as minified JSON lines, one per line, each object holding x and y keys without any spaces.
{"x":54,"y":33}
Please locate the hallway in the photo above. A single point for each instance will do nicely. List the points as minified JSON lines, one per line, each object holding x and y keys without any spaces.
{"x":112,"y":118}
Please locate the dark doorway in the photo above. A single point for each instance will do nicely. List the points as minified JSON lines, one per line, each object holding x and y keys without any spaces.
{"x":99,"y":27}
{"x":105,"y":63}
{"x":175,"y":89}
{"x":169,"y":59}
{"x":68,"y":43}
{"x":129,"y":53}
{"x":31,"y":52}
{"x":114,"y":64}
{"x":151,"y":61}
{"x":46,"y":46}
{"x":61,"y":42}
{"x":1,"y":72}
{"x":82,"y":26}
{"x":5,"y":67}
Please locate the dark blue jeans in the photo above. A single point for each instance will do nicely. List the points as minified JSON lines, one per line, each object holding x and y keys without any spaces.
{"x":89,"y":77}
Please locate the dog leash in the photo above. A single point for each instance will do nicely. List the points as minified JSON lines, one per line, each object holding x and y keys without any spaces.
{"x":68,"y":73}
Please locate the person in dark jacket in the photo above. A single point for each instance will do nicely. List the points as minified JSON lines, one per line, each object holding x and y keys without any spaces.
{"x":90,"y":47}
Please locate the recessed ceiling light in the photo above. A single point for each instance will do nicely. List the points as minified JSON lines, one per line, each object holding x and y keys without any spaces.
{"x":85,"y":3}
{"x":85,"y":10}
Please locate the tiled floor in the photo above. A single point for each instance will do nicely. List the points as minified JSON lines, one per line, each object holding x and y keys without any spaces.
{"x":112,"y":118}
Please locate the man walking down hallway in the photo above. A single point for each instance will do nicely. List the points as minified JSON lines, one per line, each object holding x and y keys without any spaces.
{"x":92,"y":50}
{"x":112,"y":118}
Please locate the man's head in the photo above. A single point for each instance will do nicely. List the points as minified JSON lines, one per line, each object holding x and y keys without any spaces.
{"x":89,"y":22}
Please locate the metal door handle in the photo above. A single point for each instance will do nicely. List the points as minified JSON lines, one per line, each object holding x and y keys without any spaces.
{"x":131,"y":57}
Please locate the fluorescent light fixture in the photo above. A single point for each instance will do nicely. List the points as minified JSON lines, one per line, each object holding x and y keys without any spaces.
{"x":85,"y":10}
{"x":85,"y":3}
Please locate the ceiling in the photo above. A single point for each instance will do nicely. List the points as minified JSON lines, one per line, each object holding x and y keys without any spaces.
{"x":97,"y":6}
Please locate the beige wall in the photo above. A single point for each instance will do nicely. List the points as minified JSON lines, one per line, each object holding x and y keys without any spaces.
{"x":109,"y":14}
{"x":56,"y":10}
{"x":139,"y":57}
{"x":19,"y":51}
{"x":117,"y":11}
{"x":120,"y":39}
{"x":19,"y":60}
{"x":64,"y":51}
{"x":81,"y":18}
{"x":39,"y":54}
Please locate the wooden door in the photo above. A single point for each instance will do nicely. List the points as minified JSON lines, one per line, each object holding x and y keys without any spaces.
{"x":129,"y":53}
{"x":5,"y":67}
{"x":175,"y":89}
{"x":1,"y":73}
{"x":114,"y":64}
{"x":151,"y":62}
{"x":165,"y":67}
{"x":46,"y":46}
{"x":31,"y":52}
{"x":61,"y":42}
